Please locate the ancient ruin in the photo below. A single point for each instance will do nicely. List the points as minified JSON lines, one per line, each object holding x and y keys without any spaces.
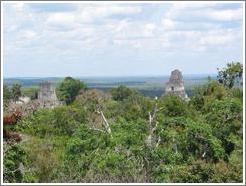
{"x":175,"y":85}
{"x":46,"y":92}
{"x":47,"y":95}
{"x":46,"y":99}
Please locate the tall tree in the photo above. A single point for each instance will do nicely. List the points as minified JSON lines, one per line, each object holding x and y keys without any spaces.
{"x":122,"y":92}
{"x":6,"y":96}
{"x":16,"y":91}
{"x":69,"y":88}
{"x":231,"y":74}
{"x":6,"y":93}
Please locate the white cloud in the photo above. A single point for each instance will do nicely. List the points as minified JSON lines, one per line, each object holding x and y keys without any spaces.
{"x":91,"y":13}
{"x":214,"y":40}
{"x":28,"y":34}
{"x":126,"y":43}
{"x":226,"y":15}
{"x":179,"y":8}
{"x":200,"y":27}
{"x":219,"y":37}
{"x":61,"y":18}
{"x":126,"y":29}
{"x":168,"y":24}
{"x":202,"y":12}
{"x":119,"y":26}
{"x":149,"y":29}
{"x":192,"y":5}
{"x":93,"y":30}
{"x":18,"y":6}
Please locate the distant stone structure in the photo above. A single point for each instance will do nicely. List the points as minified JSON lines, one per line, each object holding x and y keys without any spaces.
{"x":46,"y":99}
{"x":46,"y":92}
{"x":47,"y":95}
{"x":175,"y":86}
{"x":23,"y":100}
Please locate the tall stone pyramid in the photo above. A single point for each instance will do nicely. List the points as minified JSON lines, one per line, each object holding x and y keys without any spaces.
{"x":47,"y":92}
{"x":175,"y":85}
{"x":47,"y":95}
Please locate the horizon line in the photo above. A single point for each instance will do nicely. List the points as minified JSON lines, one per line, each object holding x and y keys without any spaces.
{"x":102,"y":76}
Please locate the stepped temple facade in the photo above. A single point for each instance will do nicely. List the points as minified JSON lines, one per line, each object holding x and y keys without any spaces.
{"x":175,"y":85}
{"x":47,"y":95}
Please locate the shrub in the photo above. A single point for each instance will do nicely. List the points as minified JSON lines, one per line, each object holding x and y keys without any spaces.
{"x":122,"y":92}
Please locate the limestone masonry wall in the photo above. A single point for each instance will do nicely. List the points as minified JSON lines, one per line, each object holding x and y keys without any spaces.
{"x":175,"y":85}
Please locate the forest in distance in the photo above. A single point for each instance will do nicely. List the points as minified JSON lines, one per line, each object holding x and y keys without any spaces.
{"x":114,"y":132}
{"x":148,"y":85}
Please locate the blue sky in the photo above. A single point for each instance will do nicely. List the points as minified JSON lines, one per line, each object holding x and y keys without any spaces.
{"x":120,"y":39}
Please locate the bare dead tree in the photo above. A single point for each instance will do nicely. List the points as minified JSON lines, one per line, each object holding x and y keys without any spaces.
{"x":20,"y":168}
{"x":175,"y":147}
{"x":159,"y":140}
{"x":96,"y":129}
{"x":205,"y":151}
{"x":153,"y":124}
{"x":105,"y":122}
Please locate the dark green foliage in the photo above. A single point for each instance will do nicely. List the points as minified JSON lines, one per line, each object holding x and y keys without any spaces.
{"x":134,"y":107}
{"x":226,"y":119}
{"x":197,"y":141}
{"x":237,"y":93}
{"x":231,"y":74}
{"x":16,"y":91}
{"x":40,"y":124}
{"x":206,"y":94}
{"x":212,"y":89}
{"x":31,"y":92}
{"x":225,"y":113}
{"x":91,"y":99}
{"x":202,"y":143}
{"x":67,"y":119}
{"x":61,"y":121}
{"x":197,"y":101}
{"x":174,"y":106}
{"x":69,"y":88}
{"x":190,"y":138}
{"x":6,"y":93}
{"x":122,"y":92}
{"x":131,"y":139}
{"x":15,"y":160}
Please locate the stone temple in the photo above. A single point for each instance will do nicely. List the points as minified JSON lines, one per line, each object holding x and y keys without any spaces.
{"x":175,"y":85}
{"x":47,"y":95}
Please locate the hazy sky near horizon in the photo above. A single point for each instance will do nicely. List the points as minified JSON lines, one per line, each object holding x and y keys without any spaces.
{"x":120,"y":39}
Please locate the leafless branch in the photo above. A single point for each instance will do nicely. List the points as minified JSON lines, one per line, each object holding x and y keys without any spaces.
{"x":105,"y":122}
{"x":152,"y":119}
{"x":107,"y":127}
{"x":159,"y":140}
{"x":175,"y":145}
{"x":92,"y":128}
